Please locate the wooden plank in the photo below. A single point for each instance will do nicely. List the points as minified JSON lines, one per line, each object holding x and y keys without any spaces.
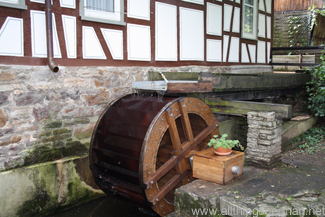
{"x":165,"y":168}
{"x":185,"y":120}
{"x":200,"y":87}
{"x":189,"y":76}
{"x":295,"y":64}
{"x":211,"y":167}
{"x":225,"y":83}
{"x":168,"y":187}
{"x":187,"y":148}
{"x":174,"y":136}
{"x":242,"y":107}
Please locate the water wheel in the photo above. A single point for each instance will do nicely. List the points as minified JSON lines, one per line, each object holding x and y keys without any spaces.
{"x":141,"y":145}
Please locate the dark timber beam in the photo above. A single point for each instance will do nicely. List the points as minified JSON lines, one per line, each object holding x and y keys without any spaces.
{"x":241,"y":82}
{"x":242,"y":107}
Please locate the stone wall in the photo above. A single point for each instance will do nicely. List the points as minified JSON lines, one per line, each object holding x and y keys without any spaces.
{"x":263,"y":139}
{"x":46,"y":116}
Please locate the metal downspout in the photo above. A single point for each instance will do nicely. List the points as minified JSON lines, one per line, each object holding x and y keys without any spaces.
{"x":49,"y":36}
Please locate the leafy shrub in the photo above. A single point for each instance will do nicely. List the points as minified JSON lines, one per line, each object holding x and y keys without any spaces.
{"x":316,"y":89}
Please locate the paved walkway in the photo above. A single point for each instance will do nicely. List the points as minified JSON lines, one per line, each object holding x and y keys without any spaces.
{"x":294,"y":189}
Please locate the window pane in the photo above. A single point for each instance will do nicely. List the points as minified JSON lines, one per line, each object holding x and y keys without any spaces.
{"x":101,"y":5}
{"x":249,"y":2}
{"x":248,"y":19}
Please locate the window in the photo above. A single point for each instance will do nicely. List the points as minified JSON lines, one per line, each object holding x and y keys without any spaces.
{"x":19,"y":4}
{"x":249,"y":25}
{"x":105,"y":11}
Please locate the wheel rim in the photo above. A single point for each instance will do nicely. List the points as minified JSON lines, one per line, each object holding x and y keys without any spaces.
{"x":182,"y":120}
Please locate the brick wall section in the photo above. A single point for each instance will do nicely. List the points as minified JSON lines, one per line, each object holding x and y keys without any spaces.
{"x":46,"y":116}
{"x":263,"y":139}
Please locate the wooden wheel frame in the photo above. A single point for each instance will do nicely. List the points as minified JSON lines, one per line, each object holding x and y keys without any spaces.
{"x":172,"y":129}
{"x":185,"y":109}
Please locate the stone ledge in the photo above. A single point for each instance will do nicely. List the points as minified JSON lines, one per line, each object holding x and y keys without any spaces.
{"x":202,"y":198}
{"x":293,"y":129}
{"x":41,"y":189}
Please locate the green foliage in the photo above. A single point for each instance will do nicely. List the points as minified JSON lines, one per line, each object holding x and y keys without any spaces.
{"x":314,"y":12}
{"x":217,"y":142}
{"x":311,"y":141}
{"x":295,"y":28}
{"x":316,"y":89}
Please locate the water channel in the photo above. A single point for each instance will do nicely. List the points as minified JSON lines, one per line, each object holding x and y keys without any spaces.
{"x":105,"y":207}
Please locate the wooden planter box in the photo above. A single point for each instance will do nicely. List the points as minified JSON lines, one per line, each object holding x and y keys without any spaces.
{"x":211,"y":167}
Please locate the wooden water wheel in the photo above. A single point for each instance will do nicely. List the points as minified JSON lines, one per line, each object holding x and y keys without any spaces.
{"x":141,"y":145}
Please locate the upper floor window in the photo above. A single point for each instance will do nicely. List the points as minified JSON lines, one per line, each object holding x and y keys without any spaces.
{"x":20,"y":4}
{"x":105,"y":11}
{"x":249,"y":19}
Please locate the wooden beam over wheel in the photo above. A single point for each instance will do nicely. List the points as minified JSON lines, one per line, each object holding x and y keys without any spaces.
{"x":242,"y":107}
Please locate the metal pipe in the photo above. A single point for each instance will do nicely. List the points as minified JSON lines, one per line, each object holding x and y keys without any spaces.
{"x":49,"y":36}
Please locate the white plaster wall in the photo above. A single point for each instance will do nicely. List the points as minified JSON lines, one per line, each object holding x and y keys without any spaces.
{"x":227,"y":11}
{"x":139,"y":42}
{"x":268,"y":23}
{"x":114,"y":41}
{"x":268,"y":6}
{"x":244,"y":53}
{"x":261,"y":52}
{"x":214,"y":50}
{"x":234,"y":50}
{"x":70,"y":35}
{"x":200,"y":2}
{"x":236,"y":24}
{"x":91,"y":48}
{"x":261,"y":25}
{"x":214,"y":15}
{"x":38,"y":33}
{"x":139,"y":9}
{"x":225,"y":47}
{"x":191,"y":34}
{"x":166,"y":32}
{"x":68,"y":4}
{"x":261,"y":5}
{"x":252,"y":52}
{"x":12,"y":37}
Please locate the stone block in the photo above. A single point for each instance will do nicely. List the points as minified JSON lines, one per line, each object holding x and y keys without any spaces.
{"x":76,"y":83}
{"x":61,"y":131}
{"x":20,"y":113}
{"x":55,"y":124}
{"x":41,"y":113}
{"x":28,"y":98}
{"x":267,"y":115}
{"x":97,"y":99}
{"x":235,"y":208}
{"x":251,"y":114}
{"x":4,"y":98}
{"x":264,"y":142}
{"x":6,"y":87}
{"x":3,"y":118}
{"x":41,"y":75}
{"x":84,"y":133}
{"x":6,"y":76}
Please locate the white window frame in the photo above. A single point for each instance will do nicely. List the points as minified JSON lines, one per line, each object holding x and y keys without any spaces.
{"x":19,"y":4}
{"x":102,"y":16}
{"x":252,"y":36}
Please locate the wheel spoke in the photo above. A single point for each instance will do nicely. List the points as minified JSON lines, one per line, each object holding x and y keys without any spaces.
{"x":185,"y":121}
{"x":174,"y":136}
{"x":168,"y":187}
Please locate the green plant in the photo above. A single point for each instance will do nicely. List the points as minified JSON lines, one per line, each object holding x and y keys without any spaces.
{"x":316,"y":89}
{"x":314,"y":12}
{"x":311,"y":141}
{"x":217,"y":142}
